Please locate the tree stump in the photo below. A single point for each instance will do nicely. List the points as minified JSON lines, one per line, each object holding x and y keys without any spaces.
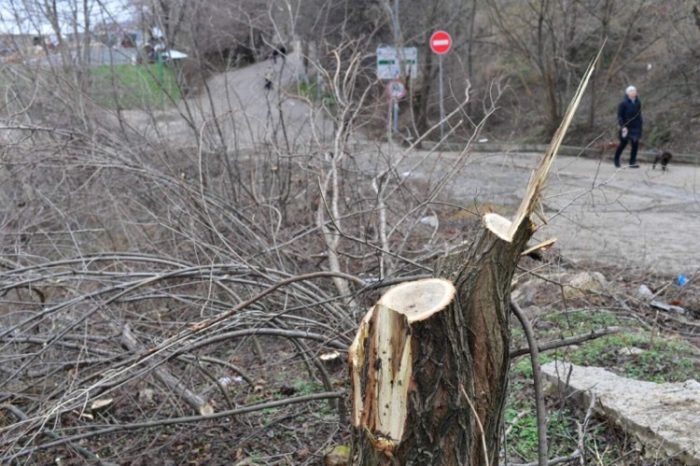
{"x":426,"y":344}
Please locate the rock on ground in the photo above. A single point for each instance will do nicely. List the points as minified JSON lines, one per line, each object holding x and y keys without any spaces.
{"x":574,"y":286}
{"x":582,"y":283}
{"x":665,"y":417}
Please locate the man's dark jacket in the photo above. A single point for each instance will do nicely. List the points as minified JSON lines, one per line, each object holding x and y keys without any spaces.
{"x":629,"y":114}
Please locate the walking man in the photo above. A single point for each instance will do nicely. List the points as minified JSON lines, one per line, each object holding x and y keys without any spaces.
{"x":629,"y":120}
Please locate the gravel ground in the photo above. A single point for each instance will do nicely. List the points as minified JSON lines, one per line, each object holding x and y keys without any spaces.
{"x":638,"y":218}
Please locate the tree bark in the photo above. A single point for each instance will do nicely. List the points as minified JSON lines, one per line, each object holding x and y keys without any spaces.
{"x":429,"y":364}
{"x":464,"y":345}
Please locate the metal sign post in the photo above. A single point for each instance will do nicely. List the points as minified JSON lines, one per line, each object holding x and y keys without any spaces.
{"x":440,"y":43}
{"x":441,"y":92}
{"x":396,"y":116}
{"x":396,"y":91}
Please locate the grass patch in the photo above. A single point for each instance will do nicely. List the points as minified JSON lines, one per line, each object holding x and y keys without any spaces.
{"x":639,"y":355}
{"x":522,"y":440}
{"x":523,"y":368}
{"x":135,"y":86}
{"x":662,"y":359}
{"x":581,"y":321}
{"x":311,"y":92}
{"x":634,"y":355}
{"x":307,"y":387}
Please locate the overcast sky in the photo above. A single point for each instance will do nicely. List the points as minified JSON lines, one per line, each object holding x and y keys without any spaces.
{"x":25,"y":16}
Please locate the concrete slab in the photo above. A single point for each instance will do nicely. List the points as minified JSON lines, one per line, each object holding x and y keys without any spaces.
{"x":665,"y":418}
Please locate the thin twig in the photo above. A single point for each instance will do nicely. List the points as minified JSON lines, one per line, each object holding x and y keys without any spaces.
{"x":583,"y":427}
{"x":554,"y":461}
{"x":478,"y":423}
{"x":542,"y":449}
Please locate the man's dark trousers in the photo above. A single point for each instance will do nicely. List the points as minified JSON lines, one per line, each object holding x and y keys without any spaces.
{"x":621,"y":148}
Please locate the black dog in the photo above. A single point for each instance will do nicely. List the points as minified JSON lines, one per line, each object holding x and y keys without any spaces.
{"x":663,"y":158}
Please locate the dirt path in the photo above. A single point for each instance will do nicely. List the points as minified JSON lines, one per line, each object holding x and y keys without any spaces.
{"x":236,"y":107}
{"x":643,"y":218}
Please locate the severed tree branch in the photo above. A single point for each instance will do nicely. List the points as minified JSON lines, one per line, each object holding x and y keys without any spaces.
{"x":576,"y":339}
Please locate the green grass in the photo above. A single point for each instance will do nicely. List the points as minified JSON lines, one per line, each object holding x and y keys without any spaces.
{"x":307,"y":387}
{"x":310,"y":91}
{"x":522,"y":439}
{"x":663,"y":359}
{"x":135,"y":86}
{"x":523,"y":368}
{"x":579,"y":321}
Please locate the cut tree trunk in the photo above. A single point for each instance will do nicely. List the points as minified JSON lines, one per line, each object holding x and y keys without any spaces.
{"x":429,"y":363}
{"x":424,"y":345}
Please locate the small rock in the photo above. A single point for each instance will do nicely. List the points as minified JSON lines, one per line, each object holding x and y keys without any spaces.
{"x":146,"y":395}
{"x":583,"y":283}
{"x":644,"y":292}
{"x":631,"y":351}
{"x":430,"y":220}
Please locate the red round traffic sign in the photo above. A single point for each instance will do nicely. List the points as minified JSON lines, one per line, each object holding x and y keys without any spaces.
{"x":440,"y":42}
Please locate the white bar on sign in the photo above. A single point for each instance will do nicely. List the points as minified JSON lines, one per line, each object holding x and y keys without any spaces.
{"x":441,"y":42}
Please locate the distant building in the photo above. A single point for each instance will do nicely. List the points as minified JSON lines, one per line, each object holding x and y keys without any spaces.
{"x":109,"y":44}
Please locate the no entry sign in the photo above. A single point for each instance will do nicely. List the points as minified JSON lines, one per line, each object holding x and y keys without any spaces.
{"x":440,"y":42}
